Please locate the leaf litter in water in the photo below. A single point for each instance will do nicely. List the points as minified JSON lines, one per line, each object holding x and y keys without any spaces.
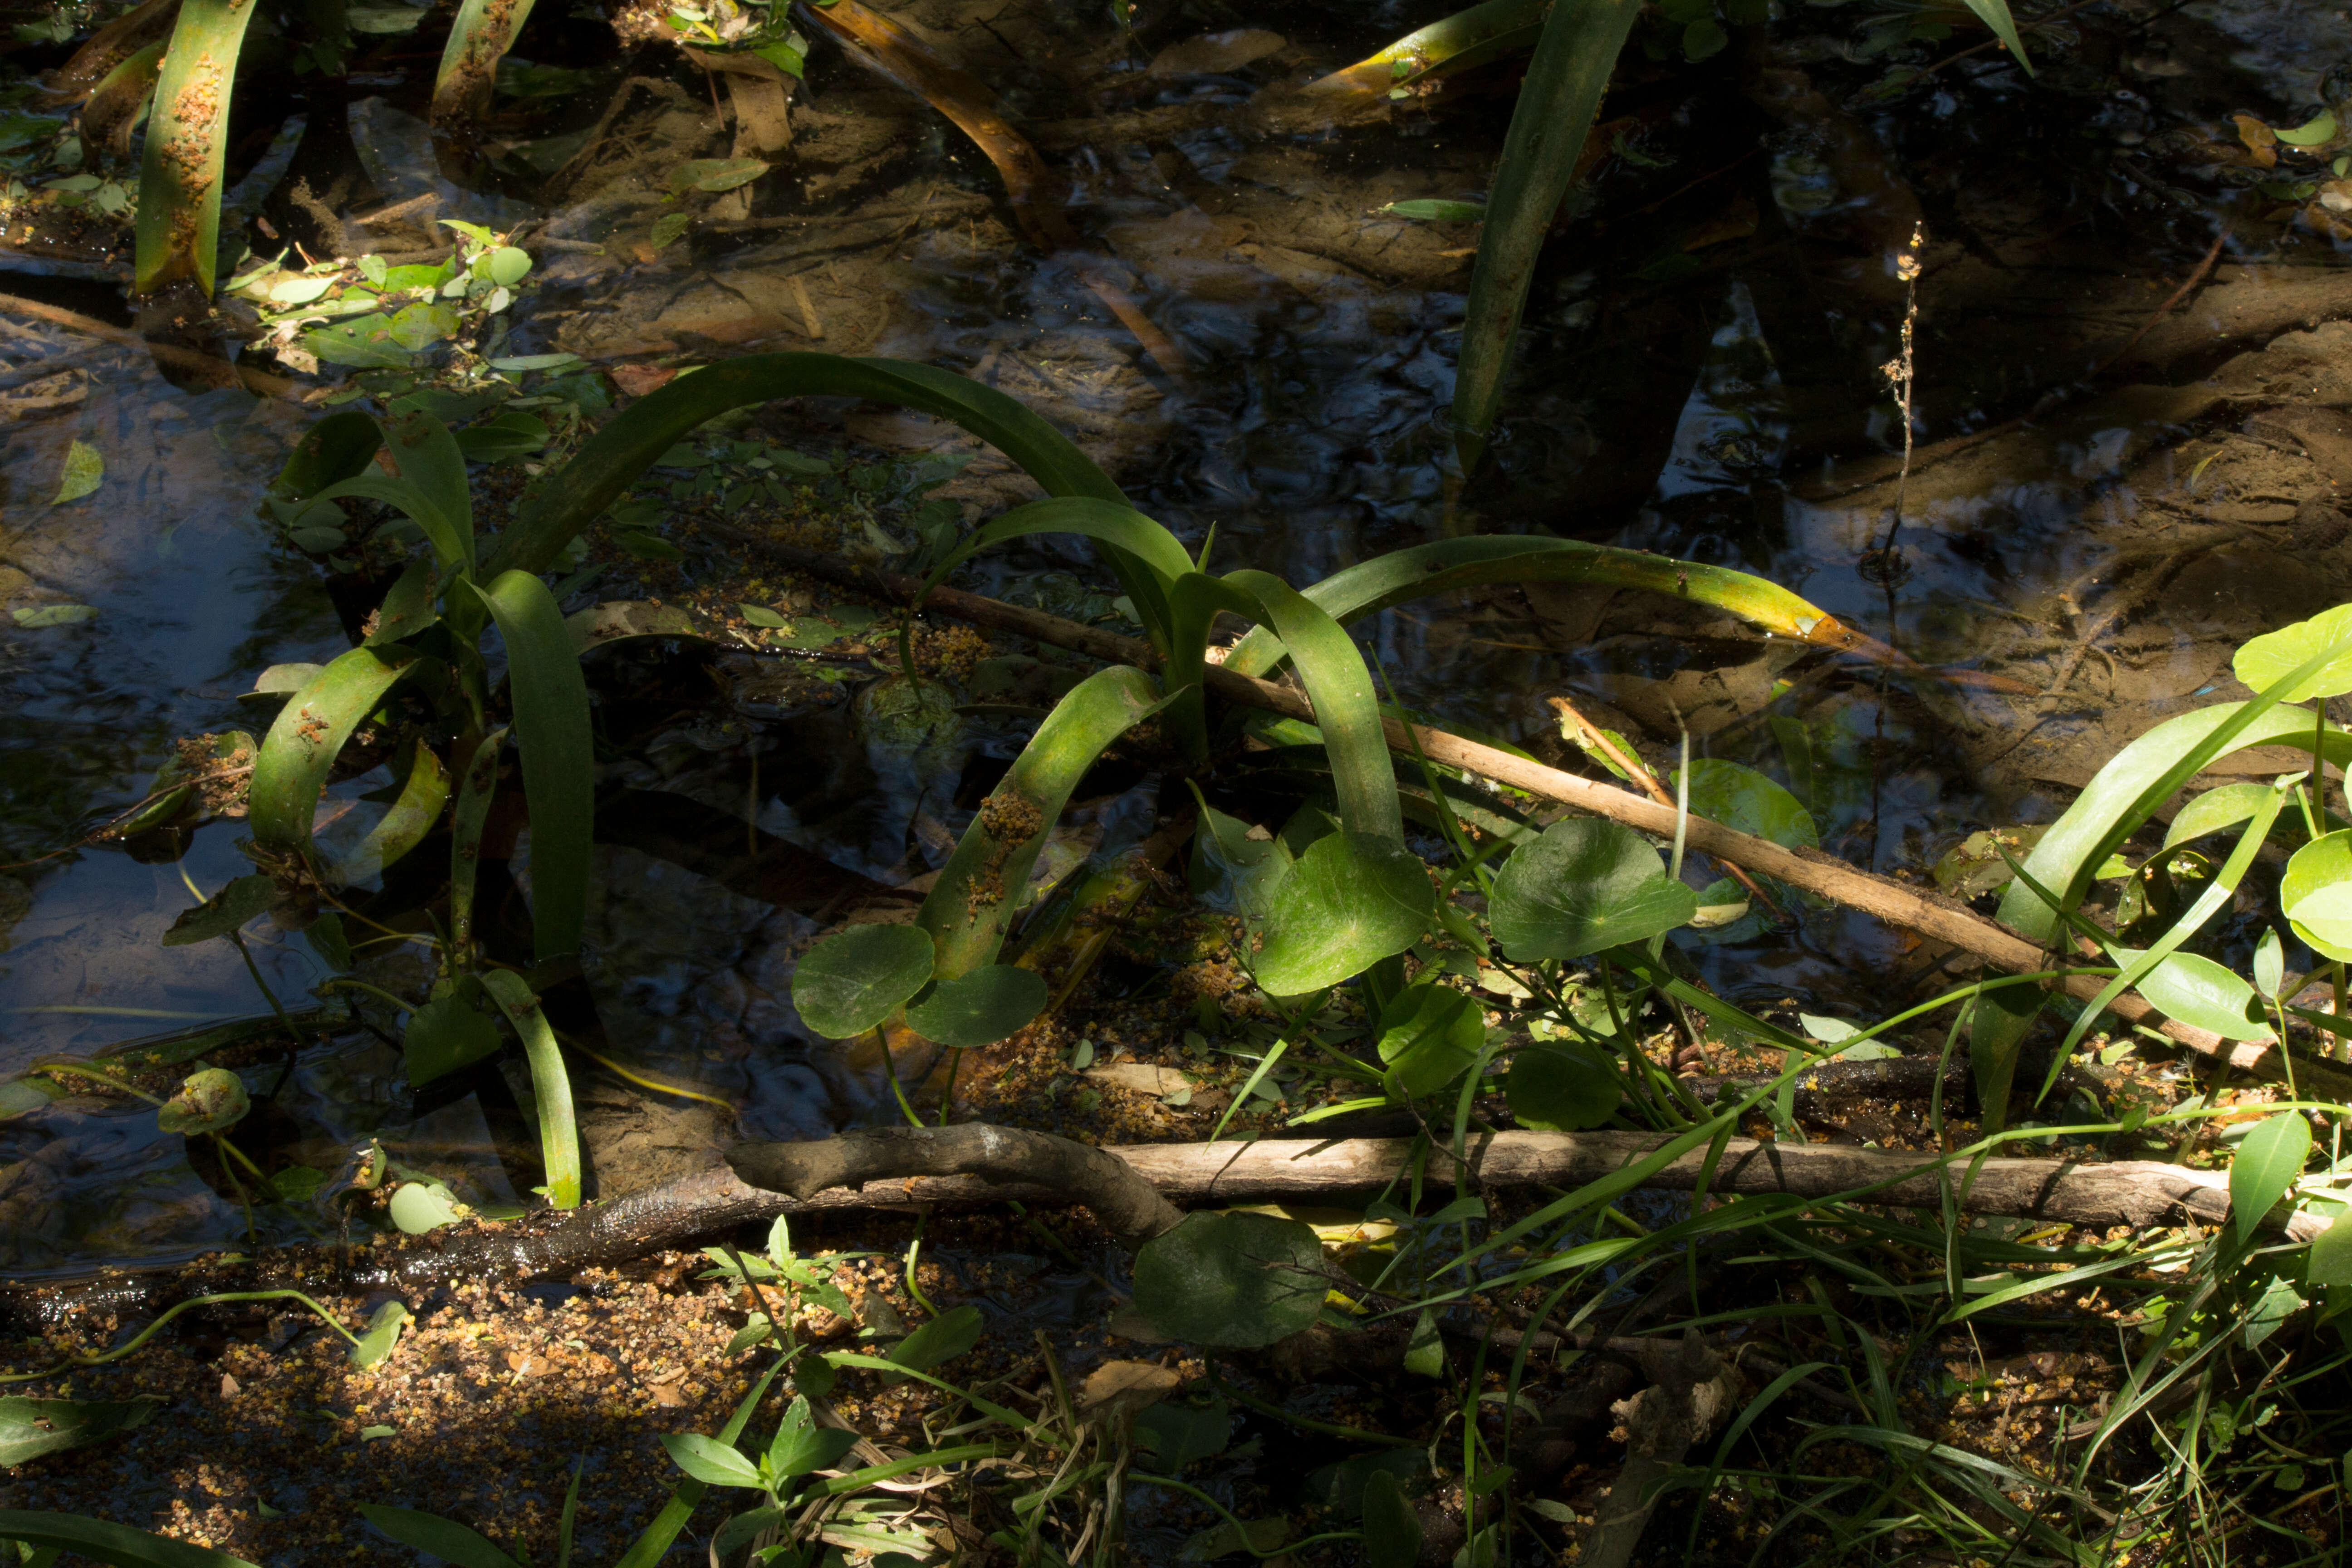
{"x":55,"y":615}
{"x":85,"y":471}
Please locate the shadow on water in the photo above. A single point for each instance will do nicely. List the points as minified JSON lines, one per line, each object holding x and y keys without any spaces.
{"x":1700,"y":376}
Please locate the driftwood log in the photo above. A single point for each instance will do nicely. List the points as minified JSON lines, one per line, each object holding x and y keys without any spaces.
{"x":1932,"y":915}
{"x":904,"y":1168}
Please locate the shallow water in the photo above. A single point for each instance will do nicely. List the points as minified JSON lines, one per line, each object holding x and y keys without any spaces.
{"x":1698,"y":375}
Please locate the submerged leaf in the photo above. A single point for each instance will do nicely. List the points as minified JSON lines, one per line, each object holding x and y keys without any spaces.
{"x":55,"y":615}
{"x":85,"y":471}
{"x":223,"y":912}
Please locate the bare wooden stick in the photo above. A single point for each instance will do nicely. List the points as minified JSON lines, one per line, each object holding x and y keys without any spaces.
{"x":1931,"y":915}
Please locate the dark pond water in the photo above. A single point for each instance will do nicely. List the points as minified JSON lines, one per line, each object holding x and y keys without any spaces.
{"x":1698,"y":376}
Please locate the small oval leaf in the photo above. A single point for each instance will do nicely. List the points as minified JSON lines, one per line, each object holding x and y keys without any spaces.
{"x":208,"y":1101}
{"x":852,"y":980}
{"x":2269,"y":1160}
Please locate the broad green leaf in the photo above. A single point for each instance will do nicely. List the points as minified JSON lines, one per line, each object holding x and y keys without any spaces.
{"x":411,"y":816}
{"x":408,"y":605}
{"x":419,"y":327}
{"x":1338,"y":683}
{"x":2275,"y":654}
{"x":811,"y":1448}
{"x":1232,"y":872}
{"x":1352,"y":899}
{"x":445,"y":1034}
{"x":301,"y":746}
{"x":1563,"y":1088}
{"x":1428,"y":1034}
{"x":84,"y":471}
{"x":1584,"y":886}
{"x":506,"y":266}
{"x":1742,"y":798}
{"x":363,"y":342}
{"x":225,"y":911}
{"x":2269,"y":1160}
{"x":1574,"y":57}
{"x":437,"y":1537}
{"x":31,"y":1428}
{"x":376,"y":1345}
{"x":559,"y":756}
{"x":559,"y":1133}
{"x":2214,"y":810}
{"x":2197,"y":991}
{"x":2331,"y":1255}
{"x":1235,"y":1280}
{"x":853,"y":979}
{"x":118,"y":1545}
{"x":207,"y":1101}
{"x":710,"y":1461}
{"x":971,"y":906}
{"x":569,"y":498}
{"x":2269,"y":962}
{"x":427,"y":456}
{"x":1144,"y":556}
{"x":1392,"y":1528}
{"x":941,"y":1340}
{"x":653,"y":1543}
{"x":2316,"y":893}
{"x":335,"y":450}
{"x":981,"y":1008}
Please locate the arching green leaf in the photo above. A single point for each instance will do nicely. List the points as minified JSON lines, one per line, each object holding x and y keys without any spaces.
{"x":404,"y":824}
{"x":101,"y":1542}
{"x":1146,"y":557}
{"x":430,"y":1533}
{"x":559,"y":755}
{"x":559,"y":1132}
{"x":182,"y":170}
{"x":301,"y":746}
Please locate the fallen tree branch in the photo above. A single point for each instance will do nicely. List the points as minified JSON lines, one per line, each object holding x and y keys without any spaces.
{"x":898,"y":1171}
{"x":1929,"y":915}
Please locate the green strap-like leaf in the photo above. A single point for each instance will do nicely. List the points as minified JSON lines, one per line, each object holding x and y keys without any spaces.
{"x":1995,"y":14}
{"x":473,"y":809}
{"x":573,"y":495}
{"x":182,"y":173}
{"x":404,"y":826}
{"x":1425,"y":568}
{"x":1557,"y":104}
{"x":559,"y":757}
{"x":102,"y":1542}
{"x":1133,"y":542}
{"x":480,"y":36}
{"x":449,"y":542}
{"x":558,"y":1132}
{"x":1347,"y":708}
{"x":301,"y":748}
{"x":428,"y":457}
{"x":973,"y":902}
{"x":439,"y":1537}
{"x":336,"y":448}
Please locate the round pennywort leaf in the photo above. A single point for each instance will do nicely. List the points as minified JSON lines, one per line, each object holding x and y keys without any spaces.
{"x":850,"y":982}
{"x":1561,"y":1088}
{"x":980,"y":1008}
{"x":2273,"y":655}
{"x":1231,"y":1279}
{"x":1352,"y":899}
{"x":1584,"y":886}
{"x":207,"y":1102}
{"x":2317,"y":894}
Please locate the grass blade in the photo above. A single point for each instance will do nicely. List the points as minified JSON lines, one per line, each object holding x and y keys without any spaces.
{"x":295,"y":756}
{"x":971,"y":904}
{"x":1573,"y":61}
{"x":1995,"y":14}
{"x":572,"y":495}
{"x":179,"y":175}
{"x":559,"y":755}
{"x":1406,"y":574}
{"x":480,"y":36}
{"x":559,"y":1129}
